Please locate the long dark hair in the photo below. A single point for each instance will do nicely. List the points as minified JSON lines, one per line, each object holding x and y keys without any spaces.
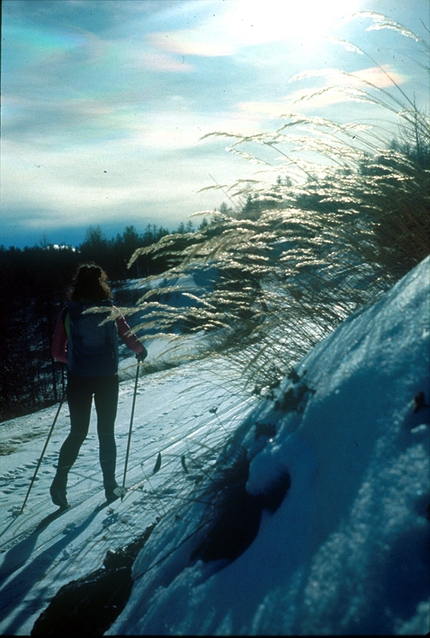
{"x":89,"y":282}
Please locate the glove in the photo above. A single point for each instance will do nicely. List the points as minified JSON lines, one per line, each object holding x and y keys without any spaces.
{"x":141,"y":356}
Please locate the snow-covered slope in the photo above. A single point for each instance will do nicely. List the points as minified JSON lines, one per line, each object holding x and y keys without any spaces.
{"x":347,"y":551}
{"x":177,"y":412}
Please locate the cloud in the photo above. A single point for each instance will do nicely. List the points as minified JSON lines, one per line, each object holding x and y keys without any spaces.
{"x":263,"y":110}
{"x":341,"y":87}
{"x":382,"y":76}
{"x":200,"y":42}
{"x":160,"y":62}
{"x":84,"y":186}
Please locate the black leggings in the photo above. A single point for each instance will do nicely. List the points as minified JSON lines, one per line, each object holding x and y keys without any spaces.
{"x":80,"y":392}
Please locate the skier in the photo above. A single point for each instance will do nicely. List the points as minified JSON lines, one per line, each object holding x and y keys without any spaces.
{"x":88,"y":343}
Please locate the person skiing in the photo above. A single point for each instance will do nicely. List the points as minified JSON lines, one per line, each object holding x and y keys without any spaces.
{"x":86,"y":339}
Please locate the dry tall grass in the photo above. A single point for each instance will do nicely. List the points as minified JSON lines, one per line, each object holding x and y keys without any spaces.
{"x":300,"y":255}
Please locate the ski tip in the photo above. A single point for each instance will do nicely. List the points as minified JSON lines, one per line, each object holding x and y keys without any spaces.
{"x":184,"y":464}
{"x":157,"y":464}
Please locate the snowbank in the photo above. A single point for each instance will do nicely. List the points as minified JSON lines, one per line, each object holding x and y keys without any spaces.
{"x":347,"y":551}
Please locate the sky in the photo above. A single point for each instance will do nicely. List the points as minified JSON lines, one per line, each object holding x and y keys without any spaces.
{"x":105,"y":102}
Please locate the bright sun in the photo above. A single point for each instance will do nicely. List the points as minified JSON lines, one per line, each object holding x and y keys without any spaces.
{"x":260,"y":21}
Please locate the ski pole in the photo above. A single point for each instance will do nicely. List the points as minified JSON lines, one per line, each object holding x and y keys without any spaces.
{"x":43,"y":452}
{"x":129,"y":430}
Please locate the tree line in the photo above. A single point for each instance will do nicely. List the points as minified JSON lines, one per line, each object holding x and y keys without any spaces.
{"x":33,"y":286}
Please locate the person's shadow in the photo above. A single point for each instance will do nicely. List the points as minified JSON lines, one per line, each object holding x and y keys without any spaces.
{"x":16,"y":589}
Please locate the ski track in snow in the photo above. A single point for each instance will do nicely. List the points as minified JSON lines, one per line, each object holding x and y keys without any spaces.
{"x":174,"y":416}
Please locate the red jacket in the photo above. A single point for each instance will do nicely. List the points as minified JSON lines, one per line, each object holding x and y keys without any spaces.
{"x":60,"y":339}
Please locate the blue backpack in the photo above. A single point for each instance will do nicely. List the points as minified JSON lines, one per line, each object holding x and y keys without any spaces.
{"x":93,"y":345}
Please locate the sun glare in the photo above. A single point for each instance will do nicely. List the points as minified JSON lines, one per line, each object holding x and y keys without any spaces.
{"x":257,"y":22}
{"x":242,"y":23}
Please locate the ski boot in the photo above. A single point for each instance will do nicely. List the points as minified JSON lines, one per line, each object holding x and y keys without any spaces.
{"x":112,"y":491}
{"x":58,"y":491}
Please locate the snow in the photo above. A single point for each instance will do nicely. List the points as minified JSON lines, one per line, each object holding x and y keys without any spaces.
{"x":347,"y":550}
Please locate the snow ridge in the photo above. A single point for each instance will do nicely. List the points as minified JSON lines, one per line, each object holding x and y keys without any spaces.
{"x":347,"y":550}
